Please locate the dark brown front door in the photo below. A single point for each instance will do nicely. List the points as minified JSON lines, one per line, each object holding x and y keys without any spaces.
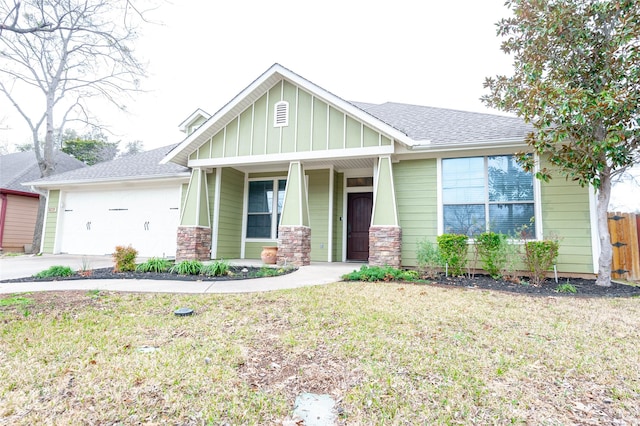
{"x":359,"y":206}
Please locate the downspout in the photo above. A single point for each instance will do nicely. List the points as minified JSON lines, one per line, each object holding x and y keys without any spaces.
{"x":3,"y":215}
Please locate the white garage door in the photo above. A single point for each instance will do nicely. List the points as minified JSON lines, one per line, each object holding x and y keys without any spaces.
{"x":96,"y":222}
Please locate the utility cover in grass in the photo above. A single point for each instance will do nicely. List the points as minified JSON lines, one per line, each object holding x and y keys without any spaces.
{"x":315,"y":410}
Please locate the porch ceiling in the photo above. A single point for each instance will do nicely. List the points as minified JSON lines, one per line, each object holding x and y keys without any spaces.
{"x":339,"y":165}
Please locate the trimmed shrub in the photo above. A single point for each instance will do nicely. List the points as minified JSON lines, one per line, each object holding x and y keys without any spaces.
{"x":539,"y":257}
{"x":492,"y":251}
{"x":453,"y":249}
{"x":380,"y":273}
{"x":125,"y":259}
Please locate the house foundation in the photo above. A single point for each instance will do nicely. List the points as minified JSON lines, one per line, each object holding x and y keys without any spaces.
{"x":385,"y":246}
{"x":194,"y":243}
{"x":294,"y":245}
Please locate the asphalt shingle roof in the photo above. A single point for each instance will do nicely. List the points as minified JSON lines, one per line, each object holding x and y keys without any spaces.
{"x":21,"y":167}
{"x":446,"y":126}
{"x":143,"y":165}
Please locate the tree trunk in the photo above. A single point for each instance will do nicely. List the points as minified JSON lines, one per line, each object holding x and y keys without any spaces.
{"x":606,"y":250}
{"x":37,"y":234}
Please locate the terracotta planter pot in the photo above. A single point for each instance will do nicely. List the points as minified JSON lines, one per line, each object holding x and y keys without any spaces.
{"x":269,"y":255}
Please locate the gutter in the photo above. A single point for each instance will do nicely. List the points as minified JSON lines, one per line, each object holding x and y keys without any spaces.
{"x":428,"y":146}
{"x":59,"y":183}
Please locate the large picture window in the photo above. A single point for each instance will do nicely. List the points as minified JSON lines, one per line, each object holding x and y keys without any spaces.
{"x":261,"y":222}
{"x":486,"y":194}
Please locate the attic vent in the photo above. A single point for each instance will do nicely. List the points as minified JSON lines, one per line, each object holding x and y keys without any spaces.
{"x":281,"y":117}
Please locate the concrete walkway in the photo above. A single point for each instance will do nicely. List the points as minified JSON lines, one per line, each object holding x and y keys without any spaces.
{"x":25,"y":266}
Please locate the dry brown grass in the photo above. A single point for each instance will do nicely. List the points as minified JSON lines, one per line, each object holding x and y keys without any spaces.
{"x":389,"y":354}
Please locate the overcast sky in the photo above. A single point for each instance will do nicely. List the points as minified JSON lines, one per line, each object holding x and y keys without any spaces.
{"x":428,"y":52}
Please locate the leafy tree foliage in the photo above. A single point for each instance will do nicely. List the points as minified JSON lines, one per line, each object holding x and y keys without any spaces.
{"x":131,"y":148}
{"x":576,"y":79}
{"x":90,"y":149}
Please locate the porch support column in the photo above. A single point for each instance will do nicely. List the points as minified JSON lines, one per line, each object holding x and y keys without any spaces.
{"x":194,"y":232}
{"x":385,"y":235}
{"x":294,"y":232}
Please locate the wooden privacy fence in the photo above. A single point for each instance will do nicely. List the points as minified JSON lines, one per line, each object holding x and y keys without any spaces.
{"x":625,"y":238}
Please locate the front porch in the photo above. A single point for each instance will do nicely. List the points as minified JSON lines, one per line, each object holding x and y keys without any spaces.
{"x":315,"y":214}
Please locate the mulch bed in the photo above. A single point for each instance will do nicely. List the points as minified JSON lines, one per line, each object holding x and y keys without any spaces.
{"x":237,"y":273}
{"x":584,"y":287}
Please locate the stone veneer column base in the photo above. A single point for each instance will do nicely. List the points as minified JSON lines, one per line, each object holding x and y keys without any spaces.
{"x":385,"y":246}
{"x":294,"y":245}
{"x":194,"y":243}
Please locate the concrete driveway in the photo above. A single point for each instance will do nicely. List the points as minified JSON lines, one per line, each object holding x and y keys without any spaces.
{"x":27,"y":265}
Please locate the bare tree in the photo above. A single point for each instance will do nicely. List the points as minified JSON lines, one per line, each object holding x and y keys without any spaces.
{"x":87,"y":56}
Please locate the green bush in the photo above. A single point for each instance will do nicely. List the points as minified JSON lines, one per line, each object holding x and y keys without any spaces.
{"x":125,"y":259}
{"x":155,"y":264}
{"x":218,"y":268}
{"x":493,"y":253}
{"x":539,"y":257}
{"x":453,"y":249}
{"x":187,"y":267}
{"x":428,"y":258}
{"x":381,"y":273}
{"x":54,"y":272}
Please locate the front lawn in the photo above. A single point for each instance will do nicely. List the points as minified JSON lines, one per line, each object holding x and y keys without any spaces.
{"x":388,"y":353}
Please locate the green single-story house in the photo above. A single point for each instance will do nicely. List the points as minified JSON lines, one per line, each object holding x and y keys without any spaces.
{"x":287,"y":163}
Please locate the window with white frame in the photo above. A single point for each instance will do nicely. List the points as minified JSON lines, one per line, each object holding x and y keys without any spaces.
{"x":486,"y":194}
{"x":261,"y":222}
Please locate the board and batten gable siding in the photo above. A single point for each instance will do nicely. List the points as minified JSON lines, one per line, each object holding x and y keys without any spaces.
{"x":416,"y":197}
{"x":566,"y":216}
{"x":313,"y":125}
{"x":230,"y":214}
{"x":51,"y":221}
{"x":20,"y":220}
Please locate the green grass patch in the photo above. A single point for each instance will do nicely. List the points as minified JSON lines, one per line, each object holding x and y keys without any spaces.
{"x":16,"y":301}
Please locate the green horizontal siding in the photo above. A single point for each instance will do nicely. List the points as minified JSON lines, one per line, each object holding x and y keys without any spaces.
{"x":319,"y":214}
{"x":230,"y":215}
{"x":338,"y":206}
{"x":565,"y":215}
{"x":51,"y":221}
{"x":416,"y":195}
{"x":253,"y":249}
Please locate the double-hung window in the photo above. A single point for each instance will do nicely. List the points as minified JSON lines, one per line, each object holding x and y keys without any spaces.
{"x":261,"y":222}
{"x":486,"y":194}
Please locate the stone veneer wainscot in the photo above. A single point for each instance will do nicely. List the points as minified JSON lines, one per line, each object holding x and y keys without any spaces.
{"x":194,"y":243}
{"x":294,"y":245}
{"x":385,"y":246}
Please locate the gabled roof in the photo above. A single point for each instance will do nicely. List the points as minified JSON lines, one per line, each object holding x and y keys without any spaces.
{"x":22,"y":167}
{"x":195,"y":115}
{"x":442,"y":126}
{"x":145,"y":165}
{"x":256,"y":89}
